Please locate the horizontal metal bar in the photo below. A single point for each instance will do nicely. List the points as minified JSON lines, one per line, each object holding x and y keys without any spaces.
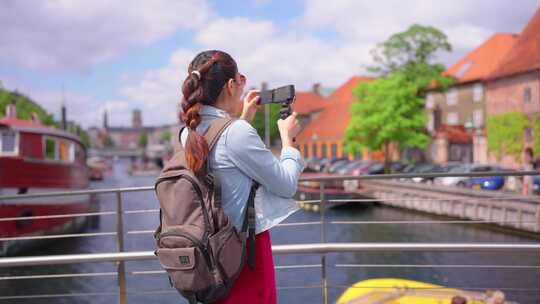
{"x":60,"y":295}
{"x":58,"y":276}
{"x":425,"y":222}
{"x":141,"y":211}
{"x":436,"y":266}
{"x":298,"y":224}
{"x":77,"y":192}
{"x":281,"y":267}
{"x":412,"y":175}
{"x":141,"y":232}
{"x":321,"y":248}
{"x":56,"y":236}
{"x":55,"y":216}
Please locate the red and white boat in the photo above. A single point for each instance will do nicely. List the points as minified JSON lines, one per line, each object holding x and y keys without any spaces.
{"x":35,"y":158}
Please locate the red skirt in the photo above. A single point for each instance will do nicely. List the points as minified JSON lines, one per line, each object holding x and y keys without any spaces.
{"x":256,"y":286}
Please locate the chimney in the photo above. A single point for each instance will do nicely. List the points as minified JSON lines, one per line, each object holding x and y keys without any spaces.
{"x":317,"y":88}
{"x":64,"y":122}
{"x":264,"y":86}
{"x":11,"y":110}
{"x":35,"y":118}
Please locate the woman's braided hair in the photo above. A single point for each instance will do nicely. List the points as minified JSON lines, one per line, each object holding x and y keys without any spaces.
{"x":207,"y":75}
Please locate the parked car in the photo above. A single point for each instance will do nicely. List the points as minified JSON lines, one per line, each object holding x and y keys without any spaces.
{"x":461,"y":181}
{"x":536,"y":185}
{"x":487,"y":182}
{"x":334,"y":167}
{"x":421,"y":168}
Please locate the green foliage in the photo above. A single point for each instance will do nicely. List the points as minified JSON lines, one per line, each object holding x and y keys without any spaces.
{"x":108,"y":142}
{"x":505,"y":134}
{"x":389,"y":110}
{"x":418,"y":44}
{"x":25,"y":107}
{"x":143,"y":140}
{"x":535,"y":126}
{"x":258,"y":122}
{"x":165,"y":136}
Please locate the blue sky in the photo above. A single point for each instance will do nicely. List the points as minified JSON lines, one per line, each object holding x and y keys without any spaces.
{"x":122,"y":55}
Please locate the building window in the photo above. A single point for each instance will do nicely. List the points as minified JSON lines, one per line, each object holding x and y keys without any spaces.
{"x":431,"y":122}
{"x":8,"y":142}
{"x":50,"y":149}
{"x":358,"y":154}
{"x":527,"y":95}
{"x":478,"y":118}
{"x":333,"y":150}
{"x":452,"y":118}
{"x":314,"y":151}
{"x":323,"y":151}
{"x":305,"y":150}
{"x":478,"y":92}
{"x":430,"y":101}
{"x":452,"y":97}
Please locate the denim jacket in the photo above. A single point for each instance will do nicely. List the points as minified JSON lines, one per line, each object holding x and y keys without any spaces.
{"x":239,"y":157}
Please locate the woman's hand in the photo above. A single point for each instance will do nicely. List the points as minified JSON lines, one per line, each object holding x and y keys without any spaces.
{"x":288,"y":129}
{"x":250,"y":106}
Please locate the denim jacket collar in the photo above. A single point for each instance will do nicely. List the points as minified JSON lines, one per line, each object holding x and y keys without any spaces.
{"x":213,"y":111}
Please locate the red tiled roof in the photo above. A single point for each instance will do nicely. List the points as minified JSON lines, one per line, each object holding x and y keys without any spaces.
{"x":307,"y":102}
{"x":480,"y":62}
{"x":525,"y":55}
{"x":455,"y":134}
{"x":333,"y":120}
{"x":20,"y":123}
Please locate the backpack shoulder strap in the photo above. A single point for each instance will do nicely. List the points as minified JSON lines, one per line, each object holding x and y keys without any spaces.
{"x":216,"y":128}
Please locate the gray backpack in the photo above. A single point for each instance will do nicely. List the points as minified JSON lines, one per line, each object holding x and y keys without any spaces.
{"x":196,"y":242}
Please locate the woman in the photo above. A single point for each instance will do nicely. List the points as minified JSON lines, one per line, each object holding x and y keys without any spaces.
{"x":213,"y":89}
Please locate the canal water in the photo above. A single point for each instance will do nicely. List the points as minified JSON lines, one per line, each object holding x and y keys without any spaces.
{"x":299,"y":285}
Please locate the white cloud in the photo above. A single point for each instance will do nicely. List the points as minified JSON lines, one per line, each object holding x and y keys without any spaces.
{"x":467,"y":23}
{"x":66,"y":34}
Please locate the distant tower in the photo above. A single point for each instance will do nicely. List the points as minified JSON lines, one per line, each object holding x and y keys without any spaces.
{"x":105,"y":119}
{"x":136,"y":119}
{"x":63,"y":109}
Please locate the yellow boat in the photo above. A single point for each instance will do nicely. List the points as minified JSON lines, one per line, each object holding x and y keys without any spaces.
{"x":401,"y":291}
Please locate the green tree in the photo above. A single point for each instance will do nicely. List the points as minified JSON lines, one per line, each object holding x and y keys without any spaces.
{"x":535,"y":126}
{"x":258,"y":122}
{"x":391,"y":108}
{"x":389,"y":111}
{"x":404,"y":50}
{"x":143,"y":140}
{"x":108,"y":142}
{"x":505,"y":134}
{"x":165,"y":136}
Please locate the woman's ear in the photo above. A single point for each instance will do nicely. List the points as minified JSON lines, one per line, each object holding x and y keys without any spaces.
{"x":230,"y":86}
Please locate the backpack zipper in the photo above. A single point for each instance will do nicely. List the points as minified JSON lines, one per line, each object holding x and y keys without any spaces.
{"x":202,"y":247}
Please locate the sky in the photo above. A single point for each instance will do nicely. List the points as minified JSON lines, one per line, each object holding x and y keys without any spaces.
{"x":133,"y":54}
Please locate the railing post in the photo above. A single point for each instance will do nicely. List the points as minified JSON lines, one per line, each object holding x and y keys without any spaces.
{"x":122,"y":297}
{"x":323,"y":240}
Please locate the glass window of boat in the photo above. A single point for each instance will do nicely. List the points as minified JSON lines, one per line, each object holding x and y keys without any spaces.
{"x":50,"y":148}
{"x":63,"y":151}
{"x":8,"y":141}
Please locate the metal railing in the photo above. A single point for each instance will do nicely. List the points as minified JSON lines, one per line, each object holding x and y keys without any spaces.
{"x":323,"y":248}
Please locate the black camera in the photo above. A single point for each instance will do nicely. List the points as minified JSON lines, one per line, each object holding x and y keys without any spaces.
{"x":282,"y":95}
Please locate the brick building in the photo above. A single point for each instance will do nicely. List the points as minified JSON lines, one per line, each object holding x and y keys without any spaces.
{"x":323,"y":136}
{"x":456,"y":118}
{"x":515,"y":84}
